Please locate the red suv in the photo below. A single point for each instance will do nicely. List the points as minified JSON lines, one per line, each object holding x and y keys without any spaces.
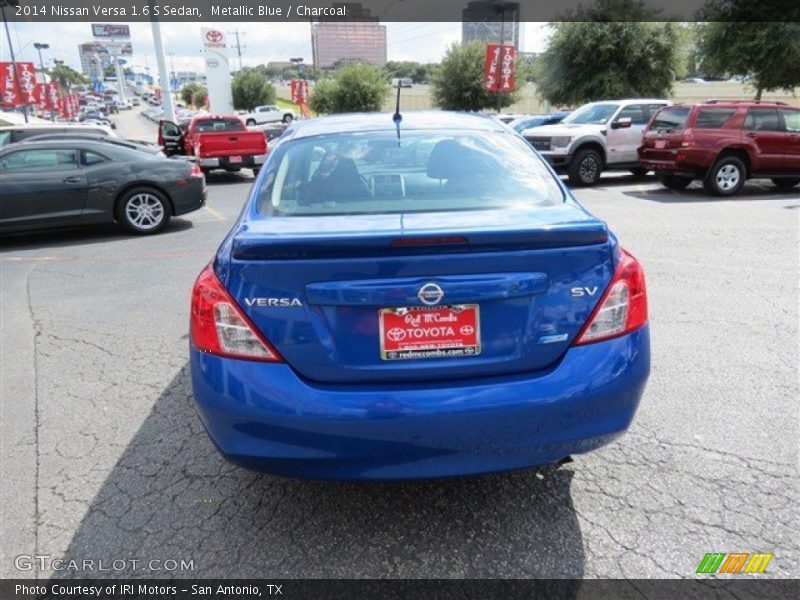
{"x":723,"y":143}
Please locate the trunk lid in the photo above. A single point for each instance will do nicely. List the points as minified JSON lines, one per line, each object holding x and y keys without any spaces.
{"x":227,"y":143}
{"x":315,"y":286}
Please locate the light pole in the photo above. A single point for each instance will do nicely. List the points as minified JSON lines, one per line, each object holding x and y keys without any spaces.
{"x":39,"y":47}
{"x":3,"y":4}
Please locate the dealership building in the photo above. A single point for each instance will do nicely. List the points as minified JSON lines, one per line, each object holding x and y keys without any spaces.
{"x":360,"y":38}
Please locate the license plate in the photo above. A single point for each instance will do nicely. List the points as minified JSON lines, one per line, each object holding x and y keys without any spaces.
{"x":235,"y":159}
{"x":429,"y":332}
{"x":661,"y":144}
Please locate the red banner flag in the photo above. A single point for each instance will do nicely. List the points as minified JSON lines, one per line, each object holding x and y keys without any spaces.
{"x":53,"y":96}
{"x":8,"y":86}
{"x":299,"y":90}
{"x":499,"y":68}
{"x":26,"y":74}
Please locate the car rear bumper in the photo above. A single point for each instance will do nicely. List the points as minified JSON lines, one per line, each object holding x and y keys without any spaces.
{"x":191,"y":196}
{"x":684,"y":162}
{"x":224,"y":162}
{"x":263,"y":416}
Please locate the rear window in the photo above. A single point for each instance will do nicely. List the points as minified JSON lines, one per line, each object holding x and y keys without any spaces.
{"x":374,"y":172}
{"x":670,"y":119}
{"x":207,"y":125}
{"x":713,"y":118}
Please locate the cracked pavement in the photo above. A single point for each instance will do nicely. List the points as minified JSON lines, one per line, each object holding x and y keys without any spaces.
{"x":103,"y":456}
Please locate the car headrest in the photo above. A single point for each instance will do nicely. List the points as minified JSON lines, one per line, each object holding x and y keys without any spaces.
{"x":449,"y":159}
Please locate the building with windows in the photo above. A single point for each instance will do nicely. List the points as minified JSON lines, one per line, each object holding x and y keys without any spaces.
{"x":491,"y":22}
{"x":93,"y":60}
{"x":358,"y":38}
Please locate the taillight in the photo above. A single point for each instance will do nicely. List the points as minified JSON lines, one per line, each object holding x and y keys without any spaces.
{"x":196,"y":171}
{"x":218,"y":325}
{"x":623,"y":307}
{"x":687,"y":139}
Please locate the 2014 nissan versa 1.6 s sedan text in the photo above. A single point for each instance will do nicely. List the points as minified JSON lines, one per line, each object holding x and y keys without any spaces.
{"x":413,"y":299}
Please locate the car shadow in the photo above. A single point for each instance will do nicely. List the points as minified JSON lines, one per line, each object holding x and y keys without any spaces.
{"x":752,"y":190}
{"x":613,"y":179}
{"x":171,"y":496}
{"x":229,"y":177}
{"x":81,"y":235}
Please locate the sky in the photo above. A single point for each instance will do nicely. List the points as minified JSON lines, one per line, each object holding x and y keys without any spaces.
{"x":421,"y":42}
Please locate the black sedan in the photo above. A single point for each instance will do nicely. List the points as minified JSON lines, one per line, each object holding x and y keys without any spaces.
{"x":80,"y":182}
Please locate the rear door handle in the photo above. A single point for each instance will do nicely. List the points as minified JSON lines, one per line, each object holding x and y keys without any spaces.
{"x":72,"y":180}
{"x":751,"y":135}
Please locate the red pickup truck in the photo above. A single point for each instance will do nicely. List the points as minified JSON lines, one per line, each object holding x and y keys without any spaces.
{"x":217,"y":142}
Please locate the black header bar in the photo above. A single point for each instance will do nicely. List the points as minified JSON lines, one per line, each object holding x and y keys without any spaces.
{"x":122,"y":11}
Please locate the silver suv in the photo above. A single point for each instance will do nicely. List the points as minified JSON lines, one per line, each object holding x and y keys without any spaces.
{"x":597,"y":137}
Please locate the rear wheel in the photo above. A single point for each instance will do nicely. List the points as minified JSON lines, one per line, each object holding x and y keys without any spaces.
{"x":143,"y":210}
{"x":251,"y":122}
{"x":726,"y":177}
{"x":674,"y":182}
{"x":785,"y":183}
{"x":288,"y":118}
{"x":585,"y":168}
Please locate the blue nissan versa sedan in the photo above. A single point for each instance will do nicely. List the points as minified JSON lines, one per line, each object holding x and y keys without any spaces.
{"x":413,"y":301}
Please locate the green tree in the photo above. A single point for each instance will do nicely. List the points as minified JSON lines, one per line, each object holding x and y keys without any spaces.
{"x":187,"y":92}
{"x":250,"y":88}
{"x":415,"y":71}
{"x":458,"y":80}
{"x":591,"y":58}
{"x":194,"y":91}
{"x":767,"y":53}
{"x":355,"y":87}
{"x":200,"y":97}
{"x":66,"y":76}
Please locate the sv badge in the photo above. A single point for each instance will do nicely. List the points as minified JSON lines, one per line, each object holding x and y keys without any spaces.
{"x":580,"y":292}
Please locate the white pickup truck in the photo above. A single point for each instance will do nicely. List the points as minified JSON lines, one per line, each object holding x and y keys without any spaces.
{"x":267,"y":114}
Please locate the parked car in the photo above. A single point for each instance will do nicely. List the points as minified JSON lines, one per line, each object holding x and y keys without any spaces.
{"x":217,"y":142}
{"x":520,"y":124}
{"x":724,"y":143}
{"x":142,"y":146}
{"x":600,"y":136}
{"x":403,"y":82}
{"x":439,"y":307}
{"x":79,"y":182}
{"x":267,"y":114}
{"x":17,"y":133}
{"x":508,"y":118}
{"x":123,"y":104}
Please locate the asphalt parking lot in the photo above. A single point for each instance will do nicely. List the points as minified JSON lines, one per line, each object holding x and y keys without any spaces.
{"x":103,"y":456}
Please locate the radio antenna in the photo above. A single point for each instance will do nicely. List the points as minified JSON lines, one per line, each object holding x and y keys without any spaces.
{"x":397,"y":117}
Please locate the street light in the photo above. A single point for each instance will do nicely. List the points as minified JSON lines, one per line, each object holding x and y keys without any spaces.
{"x":39,"y":47}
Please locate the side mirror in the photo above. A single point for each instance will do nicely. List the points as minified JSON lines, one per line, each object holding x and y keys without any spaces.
{"x":622,"y":123}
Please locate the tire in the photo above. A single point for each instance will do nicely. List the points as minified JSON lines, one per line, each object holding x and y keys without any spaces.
{"x":674,"y":182}
{"x":287,"y":118}
{"x":251,"y":122}
{"x":256,"y":171}
{"x":585,"y":168}
{"x":206,"y":171}
{"x":785,"y":183}
{"x":639,"y":172}
{"x":726,"y":177}
{"x":143,"y":210}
